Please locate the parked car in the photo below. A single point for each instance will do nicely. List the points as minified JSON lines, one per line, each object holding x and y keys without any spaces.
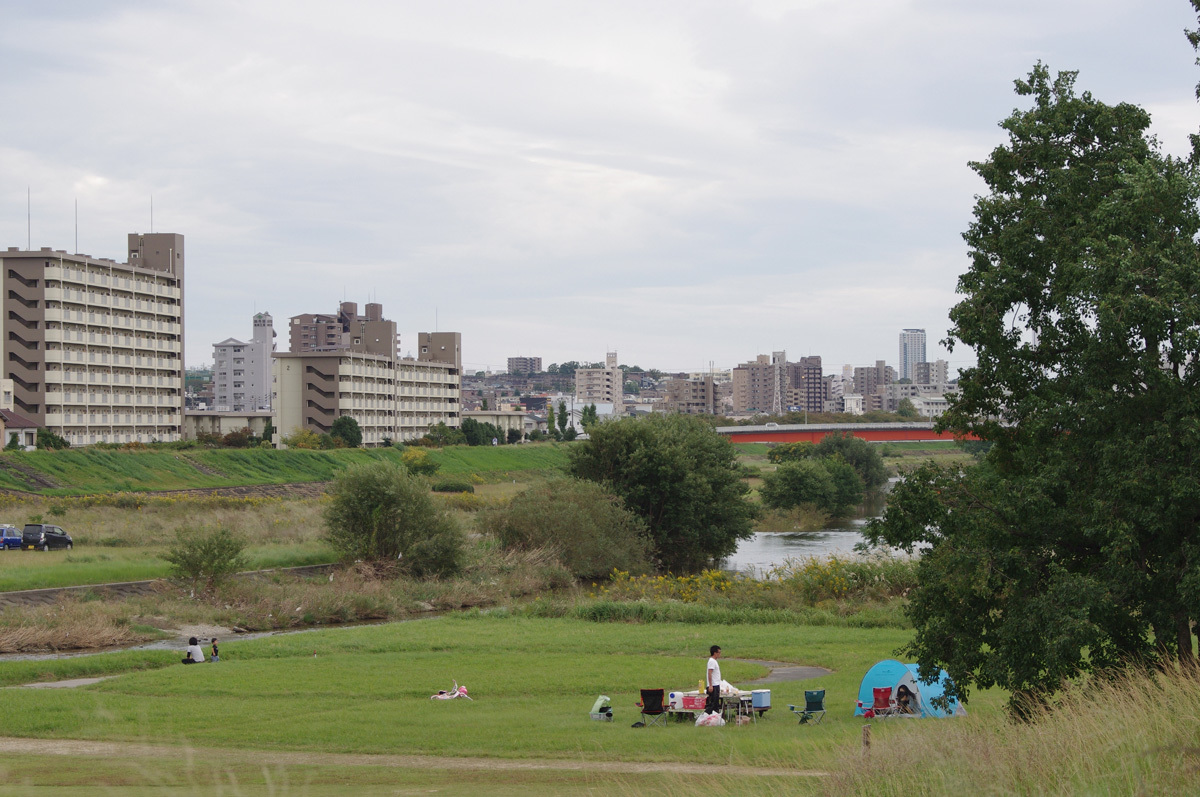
{"x":43,"y":537}
{"x":10,"y":537}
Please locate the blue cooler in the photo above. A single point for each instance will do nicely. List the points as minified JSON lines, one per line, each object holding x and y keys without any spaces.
{"x":760,"y":699}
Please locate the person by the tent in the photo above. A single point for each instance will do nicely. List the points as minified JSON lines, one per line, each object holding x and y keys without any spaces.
{"x":713,"y":681}
{"x":905,"y":700}
{"x":195,"y":653}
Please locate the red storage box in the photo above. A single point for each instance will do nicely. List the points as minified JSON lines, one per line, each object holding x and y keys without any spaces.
{"x":694,"y":702}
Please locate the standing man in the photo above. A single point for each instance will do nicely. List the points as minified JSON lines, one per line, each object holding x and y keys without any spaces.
{"x":713,"y":703}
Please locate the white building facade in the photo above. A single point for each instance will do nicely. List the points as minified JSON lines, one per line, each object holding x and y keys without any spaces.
{"x":242,"y":370}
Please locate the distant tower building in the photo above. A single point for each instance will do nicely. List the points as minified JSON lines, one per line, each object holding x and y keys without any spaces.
{"x":242,"y":369}
{"x":912,"y":351}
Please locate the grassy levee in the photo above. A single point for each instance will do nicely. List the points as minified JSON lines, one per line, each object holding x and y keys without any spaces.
{"x":87,"y":471}
{"x":495,"y":462}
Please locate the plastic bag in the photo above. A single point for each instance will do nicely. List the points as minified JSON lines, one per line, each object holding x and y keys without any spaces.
{"x":602,"y":704}
{"x":710,"y":721}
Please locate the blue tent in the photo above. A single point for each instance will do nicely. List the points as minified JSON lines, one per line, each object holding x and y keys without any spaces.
{"x":892,"y":673}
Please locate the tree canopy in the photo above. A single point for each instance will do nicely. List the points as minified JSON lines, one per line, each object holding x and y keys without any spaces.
{"x":1073,"y":544}
{"x":680,"y":477}
{"x":346,"y":429}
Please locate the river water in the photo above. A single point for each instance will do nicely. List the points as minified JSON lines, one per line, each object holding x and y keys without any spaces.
{"x":766,"y":549}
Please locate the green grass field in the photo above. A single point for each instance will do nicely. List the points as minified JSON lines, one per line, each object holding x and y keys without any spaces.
{"x":367,"y":691}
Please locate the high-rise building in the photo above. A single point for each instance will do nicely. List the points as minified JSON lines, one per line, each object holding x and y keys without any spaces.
{"x":524,"y":365}
{"x":912,"y":351}
{"x":690,"y":396}
{"x":242,"y":369}
{"x":601,"y":385}
{"x":95,"y":347}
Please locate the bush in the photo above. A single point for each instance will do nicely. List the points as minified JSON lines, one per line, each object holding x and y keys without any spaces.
{"x":381,"y":512}
{"x":208,"y":555}
{"x":590,"y":530}
{"x":417,"y":461}
{"x":452,"y":486}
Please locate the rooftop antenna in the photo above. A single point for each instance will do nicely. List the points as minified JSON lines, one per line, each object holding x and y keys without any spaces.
{"x":28,"y":220}
{"x":435,"y":319}
{"x":152,"y":213}
{"x":76,"y":225}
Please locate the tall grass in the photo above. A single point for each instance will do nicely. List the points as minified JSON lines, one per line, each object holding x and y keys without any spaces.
{"x":1135,"y":734}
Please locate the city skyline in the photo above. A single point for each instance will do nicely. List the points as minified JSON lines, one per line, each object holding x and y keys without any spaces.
{"x":683,"y":184}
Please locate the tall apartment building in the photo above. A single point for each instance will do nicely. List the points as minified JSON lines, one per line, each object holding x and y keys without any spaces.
{"x":690,"y":396}
{"x":912,"y":351}
{"x":95,"y":347}
{"x":773,"y":385}
{"x":242,"y":369}
{"x":601,"y":385}
{"x":524,"y":365}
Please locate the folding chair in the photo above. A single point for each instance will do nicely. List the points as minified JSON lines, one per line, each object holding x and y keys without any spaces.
{"x":654,"y":711}
{"x":814,"y":707}
{"x":884,"y":705}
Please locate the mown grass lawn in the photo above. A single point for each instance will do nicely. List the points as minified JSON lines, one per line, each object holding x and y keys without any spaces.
{"x":367,"y":690}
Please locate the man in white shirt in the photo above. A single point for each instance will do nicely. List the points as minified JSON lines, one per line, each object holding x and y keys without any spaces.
{"x":713,"y":683}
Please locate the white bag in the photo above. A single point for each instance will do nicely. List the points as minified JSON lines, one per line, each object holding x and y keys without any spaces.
{"x":710,"y":721}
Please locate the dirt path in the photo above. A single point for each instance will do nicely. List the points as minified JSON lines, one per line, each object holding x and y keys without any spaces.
{"x":76,"y":747}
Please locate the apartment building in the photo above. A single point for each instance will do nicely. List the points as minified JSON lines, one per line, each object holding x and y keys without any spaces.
{"x":869,"y":380}
{"x":95,"y":347}
{"x":524,"y":365}
{"x":392,"y":398}
{"x":601,"y":385}
{"x":912,"y":351}
{"x":690,"y":396}
{"x":774,"y":385}
{"x":345,"y":329}
{"x":241,"y":374}
{"x":934,"y":373}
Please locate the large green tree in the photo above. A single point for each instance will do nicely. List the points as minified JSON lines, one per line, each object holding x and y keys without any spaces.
{"x":1073,"y":544}
{"x":680,"y":477}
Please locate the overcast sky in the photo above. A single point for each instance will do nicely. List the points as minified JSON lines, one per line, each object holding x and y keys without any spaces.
{"x":683,"y":182}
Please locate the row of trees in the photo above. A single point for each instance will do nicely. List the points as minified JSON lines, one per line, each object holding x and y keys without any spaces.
{"x":831,"y":475}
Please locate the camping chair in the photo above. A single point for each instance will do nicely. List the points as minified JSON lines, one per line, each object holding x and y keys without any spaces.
{"x":654,"y":712}
{"x":884,"y":705}
{"x":814,"y":707}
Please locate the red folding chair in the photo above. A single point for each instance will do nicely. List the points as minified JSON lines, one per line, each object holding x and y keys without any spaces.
{"x":884,"y":705}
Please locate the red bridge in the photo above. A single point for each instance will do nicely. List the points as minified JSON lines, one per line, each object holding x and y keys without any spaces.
{"x":812,"y":433}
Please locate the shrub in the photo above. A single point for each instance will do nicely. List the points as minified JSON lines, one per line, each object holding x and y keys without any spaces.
{"x":452,"y":486}
{"x":208,"y":555}
{"x":589,"y":529}
{"x":48,"y":439}
{"x":379,"y":511}
{"x":417,"y":461}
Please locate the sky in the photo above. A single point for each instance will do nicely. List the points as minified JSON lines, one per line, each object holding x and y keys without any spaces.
{"x":686,"y":183}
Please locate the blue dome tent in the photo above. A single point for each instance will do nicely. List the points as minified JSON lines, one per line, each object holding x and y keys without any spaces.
{"x":892,"y":673}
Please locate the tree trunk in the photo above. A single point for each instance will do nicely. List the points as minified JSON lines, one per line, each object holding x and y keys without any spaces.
{"x":1183,"y":631}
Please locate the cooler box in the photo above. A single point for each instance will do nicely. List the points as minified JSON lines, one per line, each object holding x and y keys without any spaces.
{"x":693,"y":702}
{"x":760,"y":699}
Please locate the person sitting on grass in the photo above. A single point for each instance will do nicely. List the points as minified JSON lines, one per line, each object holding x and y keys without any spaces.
{"x":195,"y":653}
